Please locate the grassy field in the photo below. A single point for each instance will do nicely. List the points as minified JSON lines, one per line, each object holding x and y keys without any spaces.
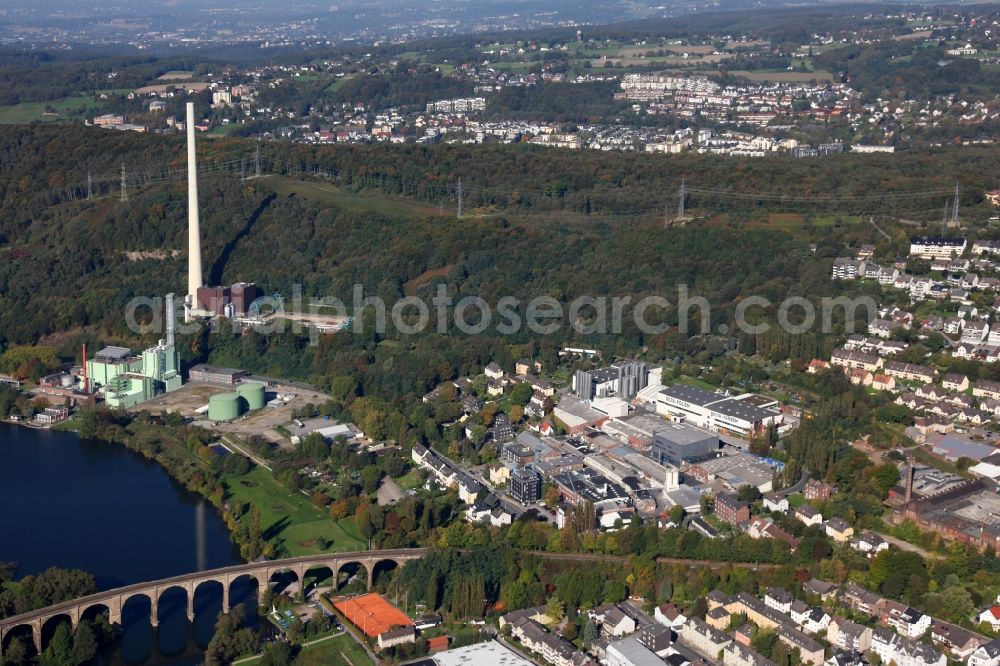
{"x":783,"y":76}
{"x":289,"y":520}
{"x":371,"y":202}
{"x":410,"y":481}
{"x":28,"y":112}
{"x":340,"y":650}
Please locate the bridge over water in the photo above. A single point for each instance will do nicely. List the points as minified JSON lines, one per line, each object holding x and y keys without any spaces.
{"x":112,"y":601}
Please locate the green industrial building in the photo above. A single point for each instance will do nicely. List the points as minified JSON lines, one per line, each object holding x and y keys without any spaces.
{"x":126,"y":380}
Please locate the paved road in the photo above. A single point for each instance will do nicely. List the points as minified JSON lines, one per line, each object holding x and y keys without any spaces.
{"x":911,"y":547}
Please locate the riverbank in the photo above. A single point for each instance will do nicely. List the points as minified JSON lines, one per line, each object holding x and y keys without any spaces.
{"x":152,"y":528}
{"x":284,"y":521}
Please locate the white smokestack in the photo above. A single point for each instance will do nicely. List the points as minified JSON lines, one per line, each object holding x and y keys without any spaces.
{"x":194,"y":226}
{"x":171,"y":315}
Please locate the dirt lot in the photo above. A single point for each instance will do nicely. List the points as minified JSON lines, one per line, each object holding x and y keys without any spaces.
{"x":263,"y":422}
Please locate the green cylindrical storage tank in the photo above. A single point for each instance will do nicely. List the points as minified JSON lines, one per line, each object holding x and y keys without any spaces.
{"x":224,"y":407}
{"x":253,"y":393}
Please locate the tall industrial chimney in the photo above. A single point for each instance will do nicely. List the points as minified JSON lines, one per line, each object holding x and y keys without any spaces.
{"x":171,"y":315}
{"x":194,"y":226}
{"x":86,"y":382}
{"x":909,"y":479}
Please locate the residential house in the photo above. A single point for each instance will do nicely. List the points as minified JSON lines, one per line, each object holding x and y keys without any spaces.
{"x":986,"y":389}
{"x":991,"y":616}
{"x":818,"y":490}
{"x":910,"y":371}
{"x":862,"y":600}
{"x":815,"y":621}
{"x":730,"y":509}
{"x":397,"y":636}
{"x":869,"y":543}
{"x":613,"y":620}
{"x":669,"y":615}
{"x":808,"y":515}
{"x":820,"y":588}
{"x":848,"y":635}
{"x":704,"y":639}
{"x":975,"y":332}
{"x":779,"y":599}
{"x":854,"y":360}
{"x":847,"y":658}
{"x":838,"y":529}
{"x":718,"y":618}
{"x":903,"y":651}
{"x":987,"y":654}
{"x":737,"y":654}
{"x":958,"y":642}
{"x":810,"y":650}
{"x":955,"y":382}
{"x":775,"y":502}
{"x":908,"y":621}
{"x":883,"y":382}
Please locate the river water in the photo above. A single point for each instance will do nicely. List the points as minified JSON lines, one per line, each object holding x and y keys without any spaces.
{"x":77,"y":503}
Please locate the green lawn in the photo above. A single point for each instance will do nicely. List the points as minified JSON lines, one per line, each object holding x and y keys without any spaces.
{"x":795,"y":500}
{"x":295,"y":525}
{"x":694,"y":381}
{"x":27,"y":112}
{"x":410,"y":480}
{"x":339,"y":650}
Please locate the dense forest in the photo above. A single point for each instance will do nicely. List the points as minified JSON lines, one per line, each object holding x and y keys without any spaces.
{"x":72,"y":264}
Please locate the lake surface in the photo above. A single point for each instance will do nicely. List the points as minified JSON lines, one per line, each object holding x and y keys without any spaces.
{"x":85,"y":504}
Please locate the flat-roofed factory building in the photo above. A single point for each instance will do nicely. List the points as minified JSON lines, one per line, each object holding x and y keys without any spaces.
{"x":741,"y":415}
{"x":217,"y":375}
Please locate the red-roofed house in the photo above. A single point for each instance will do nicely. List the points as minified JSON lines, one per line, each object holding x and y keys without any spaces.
{"x":437,"y":643}
{"x":992,"y":616}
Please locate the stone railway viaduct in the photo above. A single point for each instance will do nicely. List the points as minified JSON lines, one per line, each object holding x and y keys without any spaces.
{"x":112,"y":601}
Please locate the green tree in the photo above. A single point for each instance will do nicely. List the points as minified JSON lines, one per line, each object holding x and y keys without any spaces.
{"x":60,"y":649}
{"x":84,"y":643}
{"x":277,"y":653}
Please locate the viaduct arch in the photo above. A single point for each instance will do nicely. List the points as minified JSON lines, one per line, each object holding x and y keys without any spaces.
{"x":114,"y":600}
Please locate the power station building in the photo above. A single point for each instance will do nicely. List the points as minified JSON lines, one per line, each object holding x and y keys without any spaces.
{"x":125,"y":380}
{"x":232,"y":301}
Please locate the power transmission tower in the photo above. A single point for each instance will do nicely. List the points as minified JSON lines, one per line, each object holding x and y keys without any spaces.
{"x":680,"y":197}
{"x":90,"y":187}
{"x":459,"y":198}
{"x":243,"y":171}
{"x":666,"y":215}
{"x":256,"y":163}
{"x":954,"y":210}
{"x":124,"y":185}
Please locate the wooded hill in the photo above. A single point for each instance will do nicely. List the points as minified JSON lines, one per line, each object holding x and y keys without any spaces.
{"x":72,"y":265}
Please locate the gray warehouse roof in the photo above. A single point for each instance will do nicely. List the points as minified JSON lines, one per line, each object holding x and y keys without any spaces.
{"x":682,"y":433}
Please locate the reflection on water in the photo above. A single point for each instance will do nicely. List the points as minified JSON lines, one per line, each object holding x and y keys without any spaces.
{"x":175,"y":640}
{"x":96,"y":506}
